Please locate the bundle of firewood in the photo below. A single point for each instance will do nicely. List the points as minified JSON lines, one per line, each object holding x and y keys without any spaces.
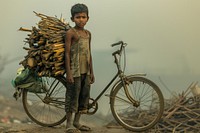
{"x":46,"y":46}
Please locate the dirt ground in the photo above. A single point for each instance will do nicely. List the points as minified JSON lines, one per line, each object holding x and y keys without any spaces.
{"x":13,"y":119}
{"x":33,"y":128}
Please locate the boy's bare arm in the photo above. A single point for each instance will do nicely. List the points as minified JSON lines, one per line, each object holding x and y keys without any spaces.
{"x":91,"y":62}
{"x":68,"y":41}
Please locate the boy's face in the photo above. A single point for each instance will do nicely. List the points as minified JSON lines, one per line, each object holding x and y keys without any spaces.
{"x":80,"y":19}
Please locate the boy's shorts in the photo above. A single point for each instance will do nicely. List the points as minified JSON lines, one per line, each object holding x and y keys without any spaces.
{"x":78,"y":94}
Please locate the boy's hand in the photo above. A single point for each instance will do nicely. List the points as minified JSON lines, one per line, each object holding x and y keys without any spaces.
{"x":92,"y":79}
{"x":70,"y":78}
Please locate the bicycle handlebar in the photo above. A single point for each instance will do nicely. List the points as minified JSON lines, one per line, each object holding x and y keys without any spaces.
{"x":118,"y":43}
{"x":121,"y":48}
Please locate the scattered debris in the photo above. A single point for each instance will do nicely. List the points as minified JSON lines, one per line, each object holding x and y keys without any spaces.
{"x":184,"y":113}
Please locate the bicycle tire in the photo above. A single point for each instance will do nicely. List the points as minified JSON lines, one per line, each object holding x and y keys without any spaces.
{"x":46,"y":110}
{"x":148,"y":113}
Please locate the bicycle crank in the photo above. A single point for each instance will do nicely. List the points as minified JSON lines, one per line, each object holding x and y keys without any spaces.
{"x":93,"y":107}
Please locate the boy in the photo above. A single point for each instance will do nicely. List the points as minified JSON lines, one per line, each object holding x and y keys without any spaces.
{"x":79,"y":69}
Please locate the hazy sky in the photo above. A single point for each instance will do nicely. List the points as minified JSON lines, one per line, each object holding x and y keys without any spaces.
{"x":163,"y":35}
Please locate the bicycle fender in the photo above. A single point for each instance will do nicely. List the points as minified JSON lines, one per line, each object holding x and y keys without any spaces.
{"x":138,"y":75}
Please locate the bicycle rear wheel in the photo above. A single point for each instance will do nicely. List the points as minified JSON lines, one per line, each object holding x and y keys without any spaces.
{"x":46,"y":108}
{"x":149,"y":111}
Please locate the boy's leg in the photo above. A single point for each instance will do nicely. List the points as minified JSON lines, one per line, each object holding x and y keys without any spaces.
{"x":78,"y":125}
{"x":84,"y":94}
{"x":83,"y":102}
{"x":69,"y":117}
{"x":77,"y":119}
{"x":72,"y":95}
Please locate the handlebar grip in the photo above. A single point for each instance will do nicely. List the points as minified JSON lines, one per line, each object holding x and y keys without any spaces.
{"x":118,"y":43}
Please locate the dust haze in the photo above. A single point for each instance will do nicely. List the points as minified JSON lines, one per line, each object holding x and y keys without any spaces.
{"x":162,"y":36}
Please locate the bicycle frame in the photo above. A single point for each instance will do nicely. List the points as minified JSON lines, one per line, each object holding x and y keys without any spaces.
{"x":104,"y":90}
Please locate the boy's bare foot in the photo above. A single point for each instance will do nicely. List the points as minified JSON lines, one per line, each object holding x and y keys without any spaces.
{"x":82,"y":127}
{"x":72,"y":130}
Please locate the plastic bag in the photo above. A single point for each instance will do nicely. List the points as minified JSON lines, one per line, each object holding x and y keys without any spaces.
{"x":27,"y":79}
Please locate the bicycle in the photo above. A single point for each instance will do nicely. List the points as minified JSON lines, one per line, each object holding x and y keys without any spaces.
{"x":136,"y":102}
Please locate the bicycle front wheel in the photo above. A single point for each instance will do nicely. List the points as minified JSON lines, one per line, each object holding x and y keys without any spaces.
{"x":149,"y":110}
{"x":46,"y":108}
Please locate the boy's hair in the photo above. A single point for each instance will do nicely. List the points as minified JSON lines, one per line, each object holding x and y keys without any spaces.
{"x":79,"y":8}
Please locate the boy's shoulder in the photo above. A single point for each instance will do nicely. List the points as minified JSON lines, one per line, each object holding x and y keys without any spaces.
{"x":70,"y":32}
{"x":88,"y":32}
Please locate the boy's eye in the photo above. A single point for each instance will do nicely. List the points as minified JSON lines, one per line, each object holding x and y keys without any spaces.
{"x":78,"y":17}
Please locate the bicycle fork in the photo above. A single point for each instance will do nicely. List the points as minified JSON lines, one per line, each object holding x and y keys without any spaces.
{"x":123,"y":78}
{"x":125,"y":83}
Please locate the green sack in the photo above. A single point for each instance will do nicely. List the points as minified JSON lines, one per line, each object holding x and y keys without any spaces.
{"x":28,"y":79}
